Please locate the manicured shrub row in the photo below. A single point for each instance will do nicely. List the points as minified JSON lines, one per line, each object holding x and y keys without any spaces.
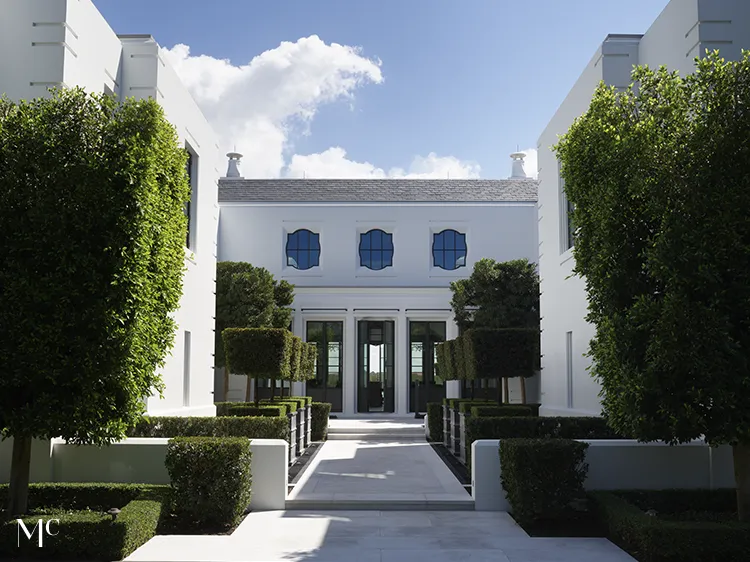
{"x":507,"y":427}
{"x":86,"y":535}
{"x":542,"y":476}
{"x":663,"y":538}
{"x":248,"y":427}
{"x":250,"y":409}
{"x":320,"y":413}
{"x":294,"y":404}
{"x":435,"y":421}
{"x":211,"y":479}
{"x":500,"y":411}
{"x":466,"y":406}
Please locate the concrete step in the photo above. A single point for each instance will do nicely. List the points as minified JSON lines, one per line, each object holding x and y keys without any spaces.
{"x":380,"y":505}
{"x":390,"y":430}
{"x":401,"y":437}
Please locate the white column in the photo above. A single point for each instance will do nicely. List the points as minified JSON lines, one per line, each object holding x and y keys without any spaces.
{"x":349,"y":382}
{"x":402,"y":364}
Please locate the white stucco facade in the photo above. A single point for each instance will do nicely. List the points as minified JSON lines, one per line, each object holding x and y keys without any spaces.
{"x":52,"y":43}
{"x":683,"y":31}
{"x":339,"y":289}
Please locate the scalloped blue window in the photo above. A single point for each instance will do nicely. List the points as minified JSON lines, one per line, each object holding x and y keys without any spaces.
{"x":303,"y":249}
{"x":449,"y":249}
{"x":376,"y":249}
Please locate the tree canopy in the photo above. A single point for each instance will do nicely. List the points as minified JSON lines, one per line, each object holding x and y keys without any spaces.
{"x":658,"y":175}
{"x":92,"y":193}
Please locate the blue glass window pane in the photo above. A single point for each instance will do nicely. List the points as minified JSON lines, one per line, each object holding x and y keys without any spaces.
{"x":388,"y":242}
{"x":303,"y":249}
{"x":304,"y":241}
{"x":461,"y":242}
{"x":375,"y":261}
{"x":376,"y":240}
{"x":302,"y":260}
{"x":364,"y":242}
{"x":437,"y":243}
{"x":460,"y":259}
{"x":315,"y":242}
{"x":449,"y":259}
{"x":450,"y":240}
{"x":292,"y":241}
{"x":439,"y":259}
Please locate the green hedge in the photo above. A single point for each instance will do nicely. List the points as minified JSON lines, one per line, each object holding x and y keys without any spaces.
{"x":662,"y":538}
{"x":440,"y":360}
{"x":249,"y":427}
{"x":210,"y":478}
{"x":250,"y":409}
{"x":539,"y":427}
{"x":307,"y":361}
{"x":307,"y":399}
{"x":294,"y":404}
{"x":435,"y":421}
{"x":262,"y":353}
{"x":542,"y":476}
{"x":320,"y":413}
{"x":459,"y":360}
{"x":500,"y":411}
{"x":86,"y":535}
{"x":495,"y":354}
{"x":295,"y":358}
{"x":449,"y":352}
{"x":466,"y":406}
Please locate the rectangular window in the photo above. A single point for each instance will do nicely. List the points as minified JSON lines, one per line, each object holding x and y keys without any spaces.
{"x":566,"y":210}
{"x":191,"y":205}
{"x":186,"y":371}
{"x":569,"y":366}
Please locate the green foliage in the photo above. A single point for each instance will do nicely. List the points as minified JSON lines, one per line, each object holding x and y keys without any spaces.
{"x":500,"y":353}
{"x":92,"y":193}
{"x":307,"y":400}
{"x":502,"y":411}
{"x":659,"y":184}
{"x":666,"y":538}
{"x":249,"y":297}
{"x":262,"y":353}
{"x":210,"y":478}
{"x":539,"y":427}
{"x":435,"y":421}
{"x":448,"y":370}
{"x":85,"y":531}
{"x":541,"y":477}
{"x":307,"y":362}
{"x":249,"y":427}
{"x":320,"y":413}
{"x":459,"y":360}
{"x":295,"y":359}
{"x":250,"y":409}
{"x":466,"y":406}
{"x":497,"y":295}
{"x":440,"y":370}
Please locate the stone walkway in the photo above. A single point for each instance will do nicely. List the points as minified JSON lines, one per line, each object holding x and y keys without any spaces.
{"x":377,"y":536}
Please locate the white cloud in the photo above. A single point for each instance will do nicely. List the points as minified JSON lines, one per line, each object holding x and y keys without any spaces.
{"x":258,"y":107}
{"x":333,"y":163}
{"x":530,"y":163}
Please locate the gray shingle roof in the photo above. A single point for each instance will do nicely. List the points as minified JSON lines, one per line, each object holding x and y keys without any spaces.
{"x":376,"y":190}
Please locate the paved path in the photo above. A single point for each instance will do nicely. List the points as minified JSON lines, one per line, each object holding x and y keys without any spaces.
{"x":377,"y":536}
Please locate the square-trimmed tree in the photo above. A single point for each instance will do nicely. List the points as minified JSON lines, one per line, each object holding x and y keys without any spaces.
{"x":92,"y":194}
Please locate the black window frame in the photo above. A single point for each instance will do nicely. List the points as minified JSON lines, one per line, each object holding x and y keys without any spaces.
{"x":312,"y":249}
{"x":385,"y":249}
{"x":454,"y":248}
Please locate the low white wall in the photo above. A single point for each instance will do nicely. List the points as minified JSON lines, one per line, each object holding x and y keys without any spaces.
{"x":141,"y":460}
{"x":616,"y":465}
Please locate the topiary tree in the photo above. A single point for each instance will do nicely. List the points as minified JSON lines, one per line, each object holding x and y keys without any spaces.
{"x":307,"y":362}
{"x":248,"y":297}
{"x":92,"y":194}
{"x":259,"y":353}
{"x":659,"y":182}
{"x":499,"y":295}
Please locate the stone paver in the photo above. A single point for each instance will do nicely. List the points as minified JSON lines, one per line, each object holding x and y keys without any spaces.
{"x":377,"y":536}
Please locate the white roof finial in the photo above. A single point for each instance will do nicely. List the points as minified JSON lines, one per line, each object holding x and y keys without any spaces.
{"x":233,"y":169}
{"x":518,"y":170}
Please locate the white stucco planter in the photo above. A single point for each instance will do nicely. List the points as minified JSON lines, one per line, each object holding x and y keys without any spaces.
{"x":616,"y":464}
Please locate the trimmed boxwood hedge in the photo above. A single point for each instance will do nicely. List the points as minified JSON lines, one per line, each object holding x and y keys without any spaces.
{"x":542,"y":477}
{"x":261,"y":353}
{"x":494,"y":354}
{"x":210,"y":478}
{"x":250,"y":409}
{"x":294,"y":404}
{"x":435,"y":421}
{"x":307,"y":399}
{"x":500,"y":411}
{"x":83,"y":535}
{"x":465,"y":407}
{"x":663,"y":538}
{"x":320,"y":413}
{"x":249,"y":427}
{"x":539,"y":427}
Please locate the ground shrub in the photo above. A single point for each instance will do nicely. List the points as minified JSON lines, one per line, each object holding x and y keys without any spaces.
{"x":249,"y":427}
{"x":320,"y":413}
{"x":500,"y":411}
{"x":435,"y":421}
{"x":250,"y":409}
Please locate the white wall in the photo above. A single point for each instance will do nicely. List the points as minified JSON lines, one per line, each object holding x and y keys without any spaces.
{"x":683,"y":30}
{"x":46,"y":43}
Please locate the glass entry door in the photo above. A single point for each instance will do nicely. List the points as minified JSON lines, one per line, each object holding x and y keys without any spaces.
{"x":424,"y":385}
{"x":328,"y":338}
{"x":375,"y":360}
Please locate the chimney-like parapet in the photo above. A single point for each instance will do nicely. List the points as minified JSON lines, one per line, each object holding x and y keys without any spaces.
{"x":233,"y":169}
{"x":518,"y":170}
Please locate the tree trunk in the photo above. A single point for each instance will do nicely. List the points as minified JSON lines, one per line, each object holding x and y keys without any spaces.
{"x":257,"y":394}
{"x":226,"y":384}
{"x":273,"y":387}
{"x":523,"y":390}
{"x":18,"y":492}
{"x":506,"y":389}
{"x":741,"y":454}
{"x":248,"y":393}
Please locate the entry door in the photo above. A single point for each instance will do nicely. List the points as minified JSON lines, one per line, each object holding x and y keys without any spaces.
{"x":425,"y":386}
{"x":328,"y":338}
{"x":375,"y":366}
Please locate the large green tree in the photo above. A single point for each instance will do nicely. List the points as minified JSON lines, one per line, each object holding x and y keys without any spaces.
{"x":248,"y":297}
{"x":659,"y":177}
{"x":92,"y":193}
{"x":498,"y":295}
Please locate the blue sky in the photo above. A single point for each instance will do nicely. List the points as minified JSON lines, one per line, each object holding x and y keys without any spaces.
{"x":452,"y":84}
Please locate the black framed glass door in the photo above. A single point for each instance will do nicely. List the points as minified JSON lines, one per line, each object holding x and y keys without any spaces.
{"x":328,"y":338}
{"x":375,"y":366}
{"x":425,"y":386}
